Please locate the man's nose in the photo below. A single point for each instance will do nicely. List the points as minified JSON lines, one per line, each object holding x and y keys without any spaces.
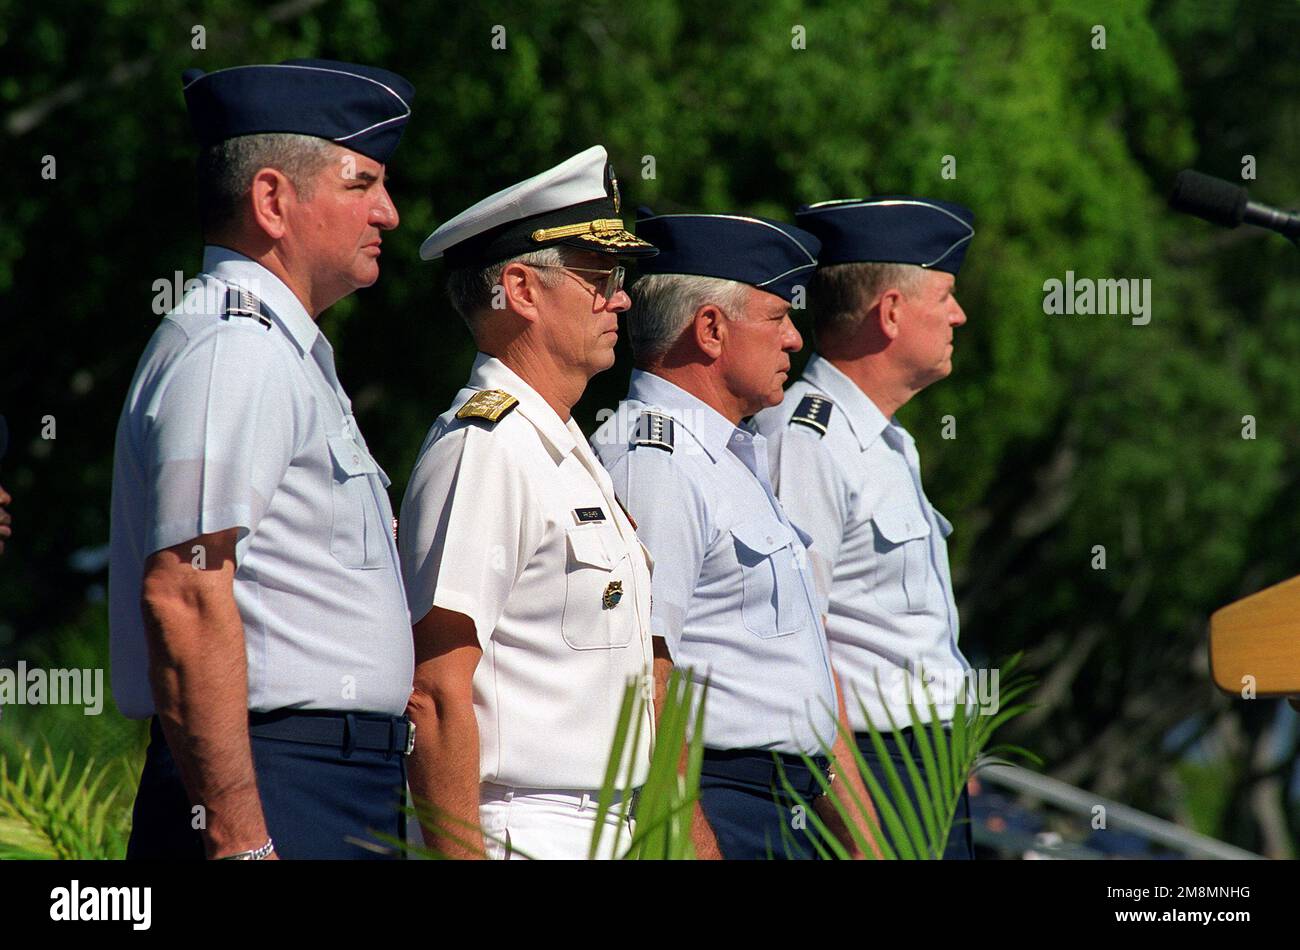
{"x":619,"y":302}
{"x":793,"y":341}
{"x":959,"y":315}
{"x":384,"y":214}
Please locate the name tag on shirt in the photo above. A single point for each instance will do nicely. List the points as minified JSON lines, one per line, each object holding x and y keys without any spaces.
{"x":588,"y":515}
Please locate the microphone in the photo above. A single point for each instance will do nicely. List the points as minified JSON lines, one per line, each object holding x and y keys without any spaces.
{"x":1221,"y":202}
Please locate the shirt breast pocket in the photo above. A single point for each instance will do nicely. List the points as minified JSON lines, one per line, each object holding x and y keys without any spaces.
{"x":901,"y":578}
{"x":598,"y":610}
{"x":357,"y":537}
{"x":773,"y":603}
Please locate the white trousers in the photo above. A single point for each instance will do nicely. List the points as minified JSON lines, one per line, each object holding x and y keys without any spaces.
{"x":548,"y":824}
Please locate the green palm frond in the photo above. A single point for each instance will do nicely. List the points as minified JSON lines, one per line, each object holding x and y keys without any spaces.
{"x":666,"y":802}
{"x":945,"y":760}
{"x":61,"y":812}
{"x":664,"y":805}
{"x":621,"y":755}
{"x":464,"y":834}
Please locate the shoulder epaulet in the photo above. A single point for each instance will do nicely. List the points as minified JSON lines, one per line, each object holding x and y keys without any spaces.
{"x":813,"y":411}
{"x":241,"y":303}
{"x":490,"y":404}
{"x":654,"y":429}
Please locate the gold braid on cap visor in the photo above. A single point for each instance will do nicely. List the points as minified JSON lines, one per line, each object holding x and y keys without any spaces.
{"x":606,"y":231}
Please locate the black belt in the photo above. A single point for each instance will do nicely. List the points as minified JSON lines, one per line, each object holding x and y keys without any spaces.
{"x":760,"y":768}
{"x":903,"y":733}
{"x":345,"y":731}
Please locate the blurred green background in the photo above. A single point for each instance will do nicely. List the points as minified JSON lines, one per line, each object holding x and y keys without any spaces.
{"x":1071,"y":431}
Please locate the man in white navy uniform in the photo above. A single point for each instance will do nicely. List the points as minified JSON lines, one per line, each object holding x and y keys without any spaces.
{"x":733,"y":600}
{"x":884,"y":314}
{"x":256,"y":606}
{"x":529,"y":590}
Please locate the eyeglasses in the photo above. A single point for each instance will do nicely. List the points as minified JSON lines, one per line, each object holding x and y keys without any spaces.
{"x":613,"y":277}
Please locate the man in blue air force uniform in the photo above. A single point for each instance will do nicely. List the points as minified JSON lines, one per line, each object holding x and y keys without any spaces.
{"x":884,"y":313}
{"x":257,"y":614}
{"x":733,"y":599}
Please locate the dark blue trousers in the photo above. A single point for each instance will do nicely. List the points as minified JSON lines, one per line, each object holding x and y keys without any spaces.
{"x":749,"y":810}
{"x":314,"y":797}
{"x":960,"y":846}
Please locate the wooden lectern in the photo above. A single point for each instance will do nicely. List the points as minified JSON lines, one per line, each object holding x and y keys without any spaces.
{"x":1258,"y":636}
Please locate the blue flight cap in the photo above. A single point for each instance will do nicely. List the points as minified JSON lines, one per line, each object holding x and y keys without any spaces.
{"x":891,"y":229}
{"x":769,"y":255}
{"x":358,"y":107}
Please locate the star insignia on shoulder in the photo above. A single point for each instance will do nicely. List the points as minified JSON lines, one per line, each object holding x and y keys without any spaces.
{"x":241,"y":303}
{"x":813,"y":411}
{"x":654,"y":429}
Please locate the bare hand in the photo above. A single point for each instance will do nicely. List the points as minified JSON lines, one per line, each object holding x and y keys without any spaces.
{"x":837,"y":826}
{"x":703,"y":838}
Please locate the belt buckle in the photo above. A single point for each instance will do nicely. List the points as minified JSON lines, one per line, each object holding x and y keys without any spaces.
{"x":410,"y":738}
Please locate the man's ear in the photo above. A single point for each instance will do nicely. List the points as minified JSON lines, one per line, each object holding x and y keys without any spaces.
{"x":522,"y":291}
{"x":889,"y":313}
{"x":270,"y":200}
{"x":710,"y":328}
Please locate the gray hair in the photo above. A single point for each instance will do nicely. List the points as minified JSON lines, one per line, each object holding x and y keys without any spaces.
{"x":226,"y":170}
{"x":663,"y":306}
{"x":840,"y":295}
{"x":472,"y":290}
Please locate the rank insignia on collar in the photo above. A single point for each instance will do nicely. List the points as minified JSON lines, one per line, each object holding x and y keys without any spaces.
{"x":489,"y":404}
{"x":613,"y":594}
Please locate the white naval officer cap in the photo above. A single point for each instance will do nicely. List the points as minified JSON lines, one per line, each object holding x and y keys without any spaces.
{"x":576,"y":203}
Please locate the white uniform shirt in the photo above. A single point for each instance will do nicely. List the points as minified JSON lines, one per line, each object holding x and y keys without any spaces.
{"x":515,"y":525}
{"x":733,"y":598}
{"x":877,"y":542}
{"x":231,"y":423}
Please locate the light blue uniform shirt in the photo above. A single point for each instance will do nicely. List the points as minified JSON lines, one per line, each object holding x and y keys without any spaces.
{"x":240,"y":422}
{"x":878,"y":547}
{"x":731,"y":593}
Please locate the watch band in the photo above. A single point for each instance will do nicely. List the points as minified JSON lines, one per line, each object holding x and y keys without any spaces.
{"x":257,"y":854}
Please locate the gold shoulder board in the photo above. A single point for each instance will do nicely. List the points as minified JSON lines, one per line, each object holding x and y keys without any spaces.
{"x":489,"y":404}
